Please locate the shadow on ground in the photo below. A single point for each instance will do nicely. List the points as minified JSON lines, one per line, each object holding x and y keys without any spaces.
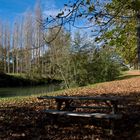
{"x":127,"y":77}
{"x":27,"y":122}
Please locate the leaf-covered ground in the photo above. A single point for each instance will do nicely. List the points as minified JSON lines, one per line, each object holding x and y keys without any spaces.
{"x":22,"y":118}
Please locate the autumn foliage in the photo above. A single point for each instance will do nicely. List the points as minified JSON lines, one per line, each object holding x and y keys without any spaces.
{"x":23,"y":118}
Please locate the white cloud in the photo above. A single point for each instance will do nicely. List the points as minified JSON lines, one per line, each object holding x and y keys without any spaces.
{"x":49,"y":4}
{"x":50,"y":8}
{"x":52,"y":12}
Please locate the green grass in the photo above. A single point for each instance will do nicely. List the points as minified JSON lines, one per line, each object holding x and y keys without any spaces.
{"x":22,"y":75}
{"x":55,"y":93}
{"x":64,"y":91}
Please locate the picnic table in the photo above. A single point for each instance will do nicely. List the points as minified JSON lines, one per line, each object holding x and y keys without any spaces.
{"x":65,"y":106}
{"x":67,"y":101}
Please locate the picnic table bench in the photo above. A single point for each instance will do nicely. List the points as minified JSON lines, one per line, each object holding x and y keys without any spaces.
{"x":65,"y":106}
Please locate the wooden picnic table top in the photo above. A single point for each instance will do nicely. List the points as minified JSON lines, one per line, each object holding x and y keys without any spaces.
{"x":97,"y":98}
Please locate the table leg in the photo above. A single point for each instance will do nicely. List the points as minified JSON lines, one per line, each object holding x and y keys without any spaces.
{"x":111,"y":127}
{"x":67,"y":105}
{"x":114,"y":107}
{"x":59,"y":104}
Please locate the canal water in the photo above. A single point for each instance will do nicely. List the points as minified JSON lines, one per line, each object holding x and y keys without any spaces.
{"x":27,"y":91}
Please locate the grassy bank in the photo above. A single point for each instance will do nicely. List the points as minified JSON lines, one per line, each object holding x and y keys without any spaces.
{"x":128,"y":85}
{"x":21,"y":80}
{"x":22,"y":117}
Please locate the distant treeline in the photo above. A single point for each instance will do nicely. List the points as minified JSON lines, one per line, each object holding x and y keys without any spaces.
{"x":76,"y":60}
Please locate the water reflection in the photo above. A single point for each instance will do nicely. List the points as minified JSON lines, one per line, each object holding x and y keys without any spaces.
{"x":26,"y":91}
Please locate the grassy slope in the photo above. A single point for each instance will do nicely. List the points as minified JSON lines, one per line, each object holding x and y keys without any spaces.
{"x":21,"y":117}
{"x":127,"y":86}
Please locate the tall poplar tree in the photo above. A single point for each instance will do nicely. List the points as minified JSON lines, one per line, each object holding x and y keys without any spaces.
{"x":27,"y":40}
{"x":59,"y":56}
{"x":38,"y":41}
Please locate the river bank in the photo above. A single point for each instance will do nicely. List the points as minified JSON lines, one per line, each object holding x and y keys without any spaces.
{"x":22,"y":117}
{"x":18,"y":80}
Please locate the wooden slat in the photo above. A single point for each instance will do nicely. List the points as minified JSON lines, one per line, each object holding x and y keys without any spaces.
{"x":81,"y":98}
{"x":92,"y":107}
{"x":86,"y":115}
{"x":96,"y":98}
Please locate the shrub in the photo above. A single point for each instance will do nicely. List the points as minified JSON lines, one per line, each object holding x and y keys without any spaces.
{"x":101,"y":66}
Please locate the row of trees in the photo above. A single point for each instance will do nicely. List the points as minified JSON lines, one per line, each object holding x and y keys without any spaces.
{"x":54,"y":54}
{"x":79,"y":61}
{"x":21,"y":45}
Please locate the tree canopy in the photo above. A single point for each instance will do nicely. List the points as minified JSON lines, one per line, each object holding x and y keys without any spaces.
{"x":103,"y":16}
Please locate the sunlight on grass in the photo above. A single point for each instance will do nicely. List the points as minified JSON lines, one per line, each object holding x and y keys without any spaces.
{"x":107,"y":86}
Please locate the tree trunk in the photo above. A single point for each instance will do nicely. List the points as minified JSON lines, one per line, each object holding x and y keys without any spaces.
{"x":138,"y":38}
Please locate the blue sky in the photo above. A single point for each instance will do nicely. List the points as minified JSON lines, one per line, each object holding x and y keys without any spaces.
{"x":10,"y":9}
